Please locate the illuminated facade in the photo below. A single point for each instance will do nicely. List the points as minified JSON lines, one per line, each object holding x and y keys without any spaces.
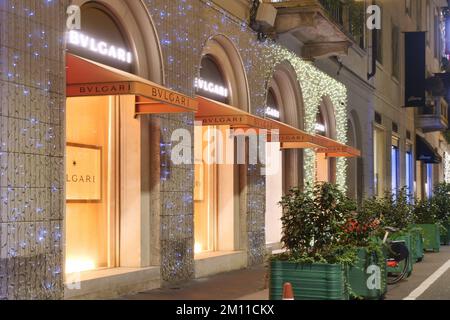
{"x":92,"y":198}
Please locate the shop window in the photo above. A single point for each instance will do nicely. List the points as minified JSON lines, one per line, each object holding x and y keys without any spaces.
{"x":395,"y":166}
{"x":205,"y":193}
{"x":428,"y":180}
{"x":379,"y":161}
{"x":211,"y":83}
{"x":409,"y":173}
{"x":101,"y":38}
{"x":91,"y":177}
{"x":214,"y":195}
{"x":324,"y":164}
{"x":274,"y":177}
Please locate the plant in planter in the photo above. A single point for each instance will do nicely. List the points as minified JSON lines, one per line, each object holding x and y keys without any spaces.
{"x":368,"y":275}
{"x":441,"y":200}
{"x":394,"y":211}
{"x":315,"y":262}
{"x":425,"y":218}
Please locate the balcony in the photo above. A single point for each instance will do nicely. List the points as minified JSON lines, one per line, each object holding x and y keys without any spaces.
{"x":325,"y":27}
{"x":434,"y":117}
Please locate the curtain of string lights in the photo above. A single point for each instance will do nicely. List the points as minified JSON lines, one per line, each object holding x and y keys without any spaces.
{"x":447,"y":167}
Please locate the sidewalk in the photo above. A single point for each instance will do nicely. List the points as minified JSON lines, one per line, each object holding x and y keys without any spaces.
{"x":247,"y":284}
{"x":250,"y":284}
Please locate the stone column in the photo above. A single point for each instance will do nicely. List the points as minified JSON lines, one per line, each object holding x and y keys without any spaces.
{"x":32,"y":122}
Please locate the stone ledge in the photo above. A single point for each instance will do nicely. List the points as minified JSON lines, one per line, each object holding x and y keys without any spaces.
{"x":208,"y":264}
{"x":113,"y":283}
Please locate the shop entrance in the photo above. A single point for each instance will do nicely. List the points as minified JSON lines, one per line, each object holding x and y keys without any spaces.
{"x":91,"y":182}
{"x":213,"y":190}
{"x":104,"y":165}
{"x":274,"y":179}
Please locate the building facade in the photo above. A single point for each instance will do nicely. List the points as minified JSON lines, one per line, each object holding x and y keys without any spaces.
{"x":131,"y":149}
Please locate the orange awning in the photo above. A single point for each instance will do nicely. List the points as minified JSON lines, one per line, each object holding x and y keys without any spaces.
{"x":290,"y":137}
{"x":89,"y":78}
{"x":334,"y":149}
{"x":214,"y":113}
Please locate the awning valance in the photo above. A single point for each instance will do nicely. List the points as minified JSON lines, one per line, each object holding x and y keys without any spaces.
{"x":89,"y":78}
{"x":425,"y":152}
{"x":214,"y":113}
{"x":290,"y":137}
{"x":334,"y":149}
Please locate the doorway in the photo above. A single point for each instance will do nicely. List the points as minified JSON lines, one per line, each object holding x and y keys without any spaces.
{"x":91,"y":183}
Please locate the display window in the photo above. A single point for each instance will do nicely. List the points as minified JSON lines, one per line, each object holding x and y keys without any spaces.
{"x":214,"y":185}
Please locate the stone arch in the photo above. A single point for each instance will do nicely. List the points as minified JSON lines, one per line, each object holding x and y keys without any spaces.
{"x":286,"y":87}
{"x":140,"y":31}
{"x":285,"y":84}
{"x":227,"y":56}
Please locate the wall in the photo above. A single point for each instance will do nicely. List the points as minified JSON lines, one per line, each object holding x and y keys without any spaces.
{"x":32,"y":78}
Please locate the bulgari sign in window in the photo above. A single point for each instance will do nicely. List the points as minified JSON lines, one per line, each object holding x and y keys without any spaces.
{"x":211,"y":83}
{"x":100,"y":39}
{"x":272,"y":111}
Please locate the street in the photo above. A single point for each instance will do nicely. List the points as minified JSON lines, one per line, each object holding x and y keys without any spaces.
{"x":430,"y":280}
{"x":426,"y":282}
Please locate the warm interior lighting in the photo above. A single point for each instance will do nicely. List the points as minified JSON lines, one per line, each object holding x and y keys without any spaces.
{"x":198,"y":248}
{"x":79,"y":265}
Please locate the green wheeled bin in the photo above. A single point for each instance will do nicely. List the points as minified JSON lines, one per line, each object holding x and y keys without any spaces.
{"x":368,"y":276}
{"x":309,"y":281}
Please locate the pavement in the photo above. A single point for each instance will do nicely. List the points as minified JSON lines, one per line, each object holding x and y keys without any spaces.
{"x":227,"y":286}
{"x":430,"y":280}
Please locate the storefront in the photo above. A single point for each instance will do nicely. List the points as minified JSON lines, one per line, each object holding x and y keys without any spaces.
{"x":427,"y":167}
{"x":224,"y":133}
{"x":283,"y":167}
{"x":108,"y":227}
{"x":325,"y":166}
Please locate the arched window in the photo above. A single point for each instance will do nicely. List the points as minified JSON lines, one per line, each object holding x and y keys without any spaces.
{"x":211,"y":83}
{"x":101,"y":38}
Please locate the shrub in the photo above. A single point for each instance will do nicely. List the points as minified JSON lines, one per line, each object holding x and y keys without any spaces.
{"x":393,"y":210}
{"x":441,"y":201}
{"x":361,"y":227}
{"x":425,"y":212}
{"x":314,"y":222}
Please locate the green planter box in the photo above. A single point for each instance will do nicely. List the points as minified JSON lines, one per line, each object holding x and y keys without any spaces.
{"x":309,"y":281}
{"x":445,"y":238}
{"x":417,"y":244}
{"x":404,"y":236}
{"x":431,"y":237}
{"x":368,"y":277}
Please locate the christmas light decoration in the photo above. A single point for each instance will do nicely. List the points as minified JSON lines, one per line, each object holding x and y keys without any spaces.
{"x":447,"y":167}
{"x":315,"y":86}
{"x":32,"y":74}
